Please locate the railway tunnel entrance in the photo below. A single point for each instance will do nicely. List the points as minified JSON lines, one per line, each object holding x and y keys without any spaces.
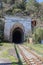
{"x":17,"y":35}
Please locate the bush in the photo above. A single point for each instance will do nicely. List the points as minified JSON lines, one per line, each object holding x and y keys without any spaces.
{"x":9,"y":12}
{"x":1,"y":44}
{"x":16,"y":11}
{"x":38,"y":35}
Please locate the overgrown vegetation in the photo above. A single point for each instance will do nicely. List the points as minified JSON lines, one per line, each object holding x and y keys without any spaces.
{"x":30,"y":7}
{"x":38,"y":35}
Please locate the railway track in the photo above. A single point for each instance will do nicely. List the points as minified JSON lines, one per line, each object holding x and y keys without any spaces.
{"x":38,"y":57}
{"x":29,"y":57}
{"x":25,"y":59}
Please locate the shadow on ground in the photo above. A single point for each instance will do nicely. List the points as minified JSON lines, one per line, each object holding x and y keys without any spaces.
{"x":13,"y":63}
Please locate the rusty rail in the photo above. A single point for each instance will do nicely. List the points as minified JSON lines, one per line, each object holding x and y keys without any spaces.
{"x":25,"y":58}
{"x":38,"y":57}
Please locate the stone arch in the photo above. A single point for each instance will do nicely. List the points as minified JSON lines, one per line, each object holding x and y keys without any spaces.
{"x":19,"y":27}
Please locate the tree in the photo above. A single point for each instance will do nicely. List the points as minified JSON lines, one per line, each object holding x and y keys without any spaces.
{"x":33,"y":7}
{"x":12,"y":1}
{"x":23,"y":5}
{"x":4,"y":1}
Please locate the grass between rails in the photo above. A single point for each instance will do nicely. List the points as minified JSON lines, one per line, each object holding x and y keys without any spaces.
{"x":36,"y":47}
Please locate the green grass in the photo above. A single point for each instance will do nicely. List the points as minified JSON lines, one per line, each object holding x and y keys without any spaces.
{"x":8,"y":45}
{"x":11,"y":58}
{"x":5,"y":53}
{"x":36,"y":47}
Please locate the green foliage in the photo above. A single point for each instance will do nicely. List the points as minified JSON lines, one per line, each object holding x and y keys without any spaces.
{"x":33,"y":7}
{"x":38,"y":48}
{"x":20,"y":5}
{"x":5,"y":1}
{"x":1,"y":44}
{"x":23,"y":5}
{"x":9,"y":12}
{"x":38,"y":35}
{"x":16,"y":11}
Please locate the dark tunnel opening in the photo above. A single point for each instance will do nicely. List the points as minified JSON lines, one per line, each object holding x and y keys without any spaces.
{"x":17,"y":36}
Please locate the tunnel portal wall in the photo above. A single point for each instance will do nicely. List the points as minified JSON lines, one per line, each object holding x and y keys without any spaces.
{"x":11,"y":23}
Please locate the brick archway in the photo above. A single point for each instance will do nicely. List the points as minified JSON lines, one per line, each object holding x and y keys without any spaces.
{"x":19,"y":28}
